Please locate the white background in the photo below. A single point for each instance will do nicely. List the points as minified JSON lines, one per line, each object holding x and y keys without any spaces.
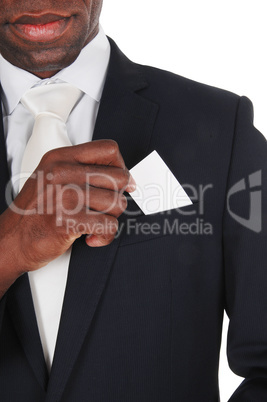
{"x":221,"y":43}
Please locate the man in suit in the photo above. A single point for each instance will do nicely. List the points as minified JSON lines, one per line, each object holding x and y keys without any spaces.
{"x":139,"y":319}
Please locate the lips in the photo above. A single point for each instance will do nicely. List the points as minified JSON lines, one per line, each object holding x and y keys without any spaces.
{"x":33,"y":19}
{"x":40,"y":28}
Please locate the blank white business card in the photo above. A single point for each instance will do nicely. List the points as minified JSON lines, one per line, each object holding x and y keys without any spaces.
{"x":157,"y":189}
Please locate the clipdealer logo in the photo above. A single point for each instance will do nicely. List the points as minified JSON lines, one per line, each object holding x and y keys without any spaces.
{"x":250,"y":187}
{"x":254,"y":222}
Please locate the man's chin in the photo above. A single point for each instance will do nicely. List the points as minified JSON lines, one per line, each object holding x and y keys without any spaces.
{"x":43,"y":64}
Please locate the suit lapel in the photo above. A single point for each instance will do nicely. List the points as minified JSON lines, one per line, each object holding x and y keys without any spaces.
{"x":124,"y":115}
{"x":4,"y":177}
{"x":128,"y":119}
{"x":21,"y":309}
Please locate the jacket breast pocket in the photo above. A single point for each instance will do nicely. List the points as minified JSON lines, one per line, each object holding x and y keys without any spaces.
{"x":137,"y":227}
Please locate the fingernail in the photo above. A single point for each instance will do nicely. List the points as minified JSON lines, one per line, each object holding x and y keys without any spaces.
{"x":131,"y":185}
{"x":94,"y":241}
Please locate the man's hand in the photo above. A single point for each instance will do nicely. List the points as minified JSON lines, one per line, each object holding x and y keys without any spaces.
{"x":74,"y":191}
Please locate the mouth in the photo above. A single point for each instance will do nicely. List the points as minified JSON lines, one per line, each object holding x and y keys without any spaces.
{"x":40,"y":28}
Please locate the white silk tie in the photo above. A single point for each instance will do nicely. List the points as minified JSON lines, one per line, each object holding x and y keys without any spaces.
{"x":51,"y":106}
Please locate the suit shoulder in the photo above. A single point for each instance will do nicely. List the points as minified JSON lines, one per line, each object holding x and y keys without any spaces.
{"x":167,"y":85}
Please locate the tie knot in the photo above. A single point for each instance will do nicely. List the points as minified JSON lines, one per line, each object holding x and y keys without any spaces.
{"x":54,"y":99}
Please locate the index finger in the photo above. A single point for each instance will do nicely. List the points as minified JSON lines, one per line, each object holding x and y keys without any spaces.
{"x":99,"y":152}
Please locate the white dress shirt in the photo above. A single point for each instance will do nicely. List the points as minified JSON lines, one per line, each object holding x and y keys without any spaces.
{"x":87,"y":73}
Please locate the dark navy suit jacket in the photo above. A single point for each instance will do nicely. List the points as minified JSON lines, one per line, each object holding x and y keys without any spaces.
{"x":142,"y":317}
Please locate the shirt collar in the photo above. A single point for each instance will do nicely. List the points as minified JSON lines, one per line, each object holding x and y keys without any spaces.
{"x":87,"y":72}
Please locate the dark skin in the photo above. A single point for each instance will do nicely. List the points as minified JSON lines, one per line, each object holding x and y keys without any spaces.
{"x":28,"y":243}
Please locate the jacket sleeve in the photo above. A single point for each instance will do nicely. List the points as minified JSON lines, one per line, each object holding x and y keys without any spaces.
{"x":245,"y":258}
